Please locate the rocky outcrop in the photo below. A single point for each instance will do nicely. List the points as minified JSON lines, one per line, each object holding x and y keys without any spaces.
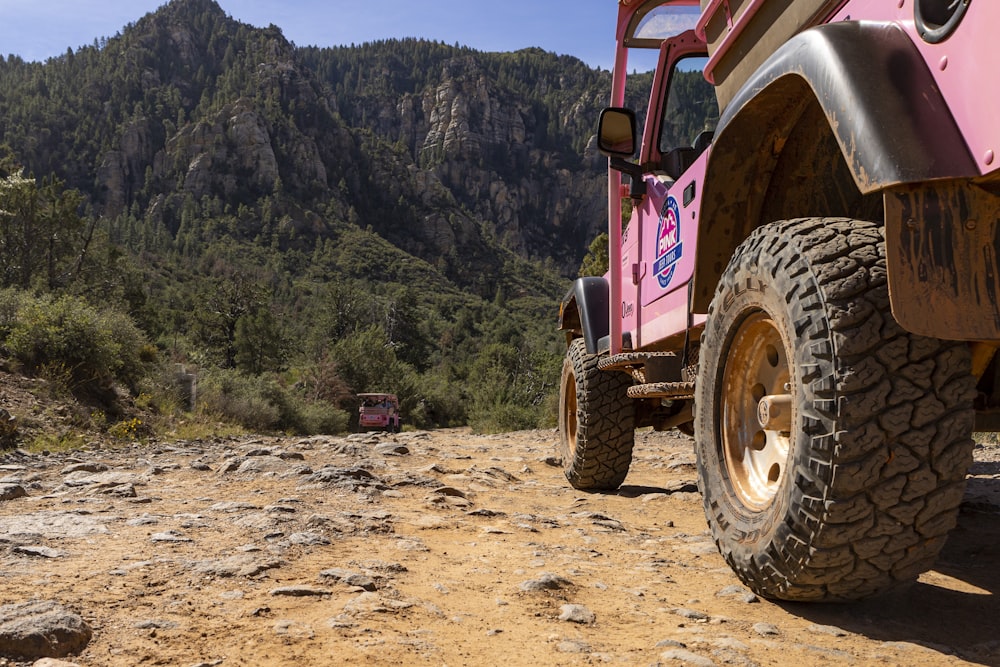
{"x":232,"y":150}
{"x":467,"y":117}
{"x":249,"y":143}
{"x":123,"y":170}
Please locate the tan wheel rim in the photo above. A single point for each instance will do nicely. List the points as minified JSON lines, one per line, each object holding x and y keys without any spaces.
{"x":756,"y":415}
{"x":569,"y":414}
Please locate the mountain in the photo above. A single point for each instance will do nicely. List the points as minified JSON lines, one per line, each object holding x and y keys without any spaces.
{"x":444,"y":151}
{"x":258,"y":206}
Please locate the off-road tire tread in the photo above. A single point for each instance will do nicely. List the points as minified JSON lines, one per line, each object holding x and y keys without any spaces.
{"x":888,"y":417}
{"x":605,"y":430}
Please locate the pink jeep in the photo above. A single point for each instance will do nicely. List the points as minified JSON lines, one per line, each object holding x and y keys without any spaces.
{"x":379,"y":411}
{"x":808,"y":279}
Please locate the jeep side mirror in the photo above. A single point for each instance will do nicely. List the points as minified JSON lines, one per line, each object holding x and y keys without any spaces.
{"x":616,"y":140}
{"x":616,"y":132}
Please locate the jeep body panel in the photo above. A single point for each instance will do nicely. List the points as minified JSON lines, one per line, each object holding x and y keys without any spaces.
{"x":959,"y":61}
{"x":648,"y":276}
{"x":844,"y":78}
{"x":943,"y":257}
{"x":868,"y":64}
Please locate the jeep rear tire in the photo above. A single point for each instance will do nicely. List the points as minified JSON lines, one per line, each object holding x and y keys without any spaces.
{"x":832,"y":444}
{"x":596,"y":422}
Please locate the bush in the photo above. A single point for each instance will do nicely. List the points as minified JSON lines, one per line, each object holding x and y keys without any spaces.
{"x":128,"y":429}
{"x":502,"y":418}
{"x":165,"y":392}
{"x":95,"y":348}
{"x":261,"y":403}
{"x":509,"y":390}
{"x":10,"y":303}
{"x":319,"y":417}
{"x":439,"y":401}
{"x":238,"y":398}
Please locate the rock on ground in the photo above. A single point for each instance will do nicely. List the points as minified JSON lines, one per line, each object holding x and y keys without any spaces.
{"x":41,"y":629}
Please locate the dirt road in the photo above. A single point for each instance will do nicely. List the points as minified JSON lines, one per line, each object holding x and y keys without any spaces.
{"x":440,"y":548}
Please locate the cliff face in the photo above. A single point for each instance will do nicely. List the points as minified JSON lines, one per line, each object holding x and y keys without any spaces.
{"x":487,"y":147}
{"x":508,"y":136}
{"x":444,"y":151}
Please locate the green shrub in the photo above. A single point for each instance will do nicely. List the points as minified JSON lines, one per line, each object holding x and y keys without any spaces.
{"x":163,"y":394}
{"x":439,"y":402}
{"x":502,"y":418}
{"x":128,"y":429}
{"x":134,"y":351}
{"x":232,"y":396}
{"x":90,"y":346}
{"x":261,"y":403}
{"x":320,"y":417}
{"x":509,"y":390}
{"x":549,"y":418}
{"x":10,"y":303}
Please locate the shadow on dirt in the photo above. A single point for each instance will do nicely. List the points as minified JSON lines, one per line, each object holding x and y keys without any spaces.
{"x":953,"y":609}
{"x":632,"y":491}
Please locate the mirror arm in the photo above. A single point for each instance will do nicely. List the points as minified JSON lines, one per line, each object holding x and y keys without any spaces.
{"x":637,"y":190}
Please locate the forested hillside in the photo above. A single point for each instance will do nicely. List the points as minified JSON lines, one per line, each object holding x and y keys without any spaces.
{"x":300,"y":224}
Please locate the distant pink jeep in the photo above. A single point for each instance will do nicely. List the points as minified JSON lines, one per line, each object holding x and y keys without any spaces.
{"x":379,"y":411}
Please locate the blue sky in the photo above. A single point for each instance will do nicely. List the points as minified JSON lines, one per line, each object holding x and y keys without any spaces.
{"x":583,"y":28}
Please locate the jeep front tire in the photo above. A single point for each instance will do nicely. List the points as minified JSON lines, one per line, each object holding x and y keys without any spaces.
{"x":832,"y":445}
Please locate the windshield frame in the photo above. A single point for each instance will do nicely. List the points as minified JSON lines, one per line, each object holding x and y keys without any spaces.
{"x":658,"y":21}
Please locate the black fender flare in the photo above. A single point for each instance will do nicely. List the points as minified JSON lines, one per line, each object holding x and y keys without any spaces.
{"x":882,"y":104}
{"x":585,"y":311}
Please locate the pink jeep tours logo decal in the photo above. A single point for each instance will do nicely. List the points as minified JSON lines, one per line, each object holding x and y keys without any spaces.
{"x":668,"y":242}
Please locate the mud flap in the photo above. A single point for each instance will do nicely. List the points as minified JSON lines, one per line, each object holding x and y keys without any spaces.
{"x":943,"y":257}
